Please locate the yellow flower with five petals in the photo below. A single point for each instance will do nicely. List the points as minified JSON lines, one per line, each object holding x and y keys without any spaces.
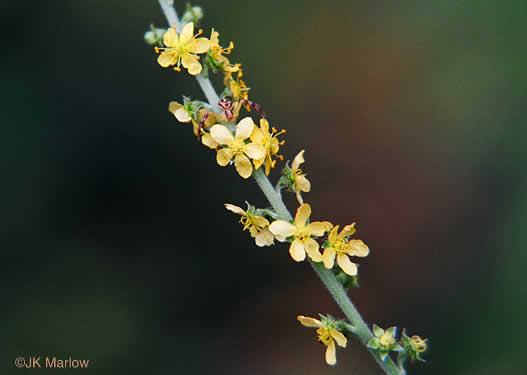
{"x":218,"y":52}
{"x":340,"y":247}
{"x":258,"y":225}
{"x":302,"y":232}
{"x":183,"y":49}
{"x":269,"y":140}
{"x":328,"y":334}
{"x":236,"y":147}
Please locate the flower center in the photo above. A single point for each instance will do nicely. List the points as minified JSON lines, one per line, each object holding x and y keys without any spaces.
{"x":386,"y":339}
{"x":302,"y":233}
{"x":340,"y":246}
{"x":323,"y":336}
{"x":238,"y":145}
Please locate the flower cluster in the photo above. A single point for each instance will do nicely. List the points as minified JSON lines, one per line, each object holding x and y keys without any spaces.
{"x":254,"y":147}
{"x":384,"y":342}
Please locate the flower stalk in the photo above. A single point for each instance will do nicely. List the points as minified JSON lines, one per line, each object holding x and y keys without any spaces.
{"x":335,"y":288}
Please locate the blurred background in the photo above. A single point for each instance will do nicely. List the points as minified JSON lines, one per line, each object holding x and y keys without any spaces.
{"x":115,"y":244}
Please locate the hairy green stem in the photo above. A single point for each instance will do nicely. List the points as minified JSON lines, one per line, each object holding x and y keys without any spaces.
{"x":326,"y":276}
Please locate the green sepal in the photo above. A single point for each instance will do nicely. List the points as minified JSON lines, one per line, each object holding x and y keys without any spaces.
{"x":346,"y":280}
{"x":346,"y":327}
{"x":267,"y":213}
{"x":205,"y":71}
{"x":383,"y":354}
{"x":374,"y":343}
{"x":392,"y":331}
{"x":377,"y":331}
{"x":214,"y":65}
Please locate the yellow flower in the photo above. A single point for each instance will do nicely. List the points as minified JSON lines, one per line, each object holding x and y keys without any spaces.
{"x":302,"y":232}
{"x":300,"y":182}
{"x":237,"y":148}
{"x":258,"y":225}
{"x":218,"y":52}
{"x":327,"y":335}
{"x":183,"y":114}
{"x":338,"y":245}
{"x":269,"y":140}
{"x":182,"y":49}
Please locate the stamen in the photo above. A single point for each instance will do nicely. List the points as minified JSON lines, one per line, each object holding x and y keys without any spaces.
{"x":228,"y":50}
{"x":199,"y":33}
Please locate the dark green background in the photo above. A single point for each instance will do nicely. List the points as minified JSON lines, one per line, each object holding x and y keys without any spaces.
{"x":115,"y":243}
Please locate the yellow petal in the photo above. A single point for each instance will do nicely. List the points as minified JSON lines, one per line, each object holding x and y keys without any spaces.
{"x":214,"y":38}
{"x":312,"y":247}
{"x":258,"y":163}
{"x":222,"y":135}
{"x":200,"y":45}
{"x":259,"y":221}
{"x":195,"y":69}
{"x":224,"y":156}
{"x":339,"y":337}
{"x":309,"y":322}
{"x":166,"y":59}
{"x":282,"y":229}
{"x":299,"y":159}
{"x":331,"y":355}
{"x":302,"y":214}
{"x":297,"y":250}
{"x":187,"y":33}
{"x":318,"y":228}
{"x":264,"y":238}
{"x":208,"y":141}
{"x":182,"y":115}
{"x":173,"y":107}
{"x":274,"y":146}
{"x":257,"y":136}
{"x":235,"y":209}
{"x":347,"y":266}
{"x":255,"y":151}
{"x":303,"y":184}
{"x":357,"y":248}
{"x":333,"y":234}
{"x":244,"y":128}
{"x":243,"y":165}
{"x":329,"y":257}
{"x":347,"y":231}
{"x":264,"y":125}
{"x":171,"y":38}
{"x":267,"y":166}
{"x":191,"y":63}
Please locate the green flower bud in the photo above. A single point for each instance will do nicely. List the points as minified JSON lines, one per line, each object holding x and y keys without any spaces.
{"x":384,"y":341}
{"x":192,"y":14}
{"x":154,"y":36}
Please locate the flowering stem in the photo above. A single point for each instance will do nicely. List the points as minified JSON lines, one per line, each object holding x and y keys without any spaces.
{"x":326,"y":276}
{"x":272,"y":196}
